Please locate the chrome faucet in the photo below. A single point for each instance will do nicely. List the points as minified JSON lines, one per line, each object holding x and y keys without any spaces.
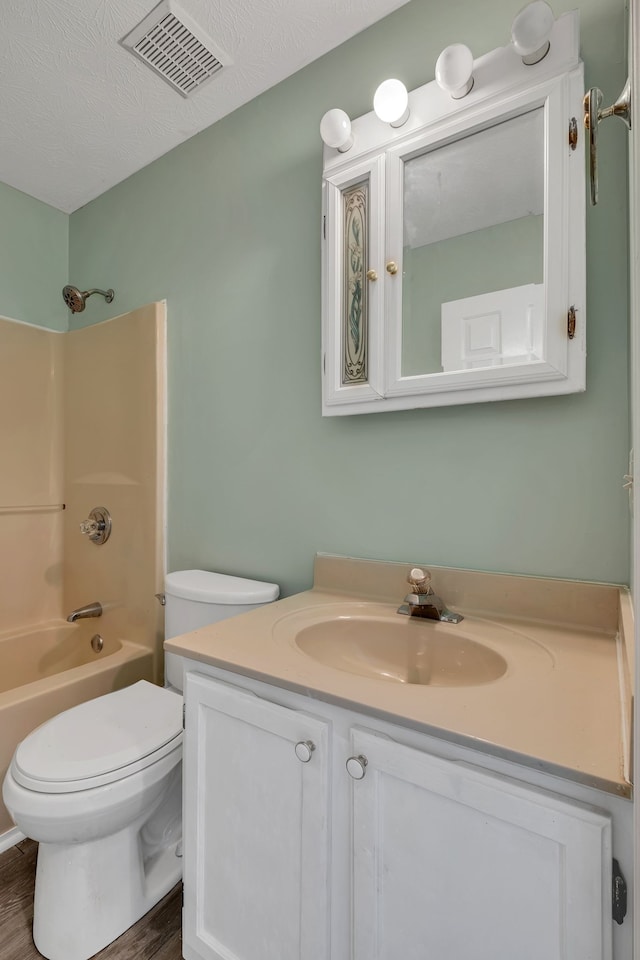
{"x":91,"y":610}
{"x":423,"y":603}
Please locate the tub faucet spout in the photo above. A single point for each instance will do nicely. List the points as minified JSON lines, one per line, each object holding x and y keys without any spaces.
{"x":90,"y":610}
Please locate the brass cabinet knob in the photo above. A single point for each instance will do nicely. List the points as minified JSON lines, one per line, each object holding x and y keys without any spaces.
{"x":372,"y":275}
{"x":392,"y":267}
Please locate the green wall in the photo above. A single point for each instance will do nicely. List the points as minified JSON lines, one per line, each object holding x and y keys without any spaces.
{"x":34,"y":260}
{"x":226,"y":227}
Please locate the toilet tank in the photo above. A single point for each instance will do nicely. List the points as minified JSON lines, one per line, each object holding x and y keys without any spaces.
{"x":197,"y":598}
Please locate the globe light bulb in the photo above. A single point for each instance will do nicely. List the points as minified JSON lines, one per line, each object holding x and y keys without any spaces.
{"x":335,"y":130}
{"x":454,"y":70}
{"x":530,"y":31}
{"x":391,"y":103}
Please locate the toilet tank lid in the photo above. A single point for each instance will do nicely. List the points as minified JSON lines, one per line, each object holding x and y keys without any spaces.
{"x":208,"y":587}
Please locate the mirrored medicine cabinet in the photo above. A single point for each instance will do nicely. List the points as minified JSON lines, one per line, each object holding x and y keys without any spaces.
{"x":454,"y":245}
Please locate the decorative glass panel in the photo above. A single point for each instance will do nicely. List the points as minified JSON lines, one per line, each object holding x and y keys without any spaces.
{"x":355,"y":318}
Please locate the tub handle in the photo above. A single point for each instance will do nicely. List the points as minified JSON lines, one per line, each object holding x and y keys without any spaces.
{"x":98,"y":526}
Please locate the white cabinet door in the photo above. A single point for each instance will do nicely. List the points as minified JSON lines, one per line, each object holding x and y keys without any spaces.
{"x":256,"y":850}
{"x":451,"y":863}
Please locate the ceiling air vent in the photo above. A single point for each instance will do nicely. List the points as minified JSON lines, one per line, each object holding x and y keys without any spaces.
{"x":173,"y":45}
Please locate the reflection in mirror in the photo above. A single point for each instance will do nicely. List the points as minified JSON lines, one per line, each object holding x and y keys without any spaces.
{"x":473,"y":284}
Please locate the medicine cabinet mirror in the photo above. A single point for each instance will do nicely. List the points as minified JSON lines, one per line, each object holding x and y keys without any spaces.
{"x":454,"y":246}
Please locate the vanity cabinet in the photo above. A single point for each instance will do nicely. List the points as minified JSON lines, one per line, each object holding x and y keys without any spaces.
{"x":311,"y":833}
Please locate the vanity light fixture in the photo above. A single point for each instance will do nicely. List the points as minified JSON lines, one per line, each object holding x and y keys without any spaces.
{"x":391,"y":103}
{"x":454,"y":70}
{"x":335,"y":130}
{"x":530,"y":31}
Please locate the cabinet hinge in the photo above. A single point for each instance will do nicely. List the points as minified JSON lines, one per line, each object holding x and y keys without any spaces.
{"x":573,"y":133}
{"x":184,"y":715}
{"x":618,"y":893}
{"x":571,"y":322}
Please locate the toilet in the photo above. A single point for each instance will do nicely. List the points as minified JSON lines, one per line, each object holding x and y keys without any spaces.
{"x":100,"y":787}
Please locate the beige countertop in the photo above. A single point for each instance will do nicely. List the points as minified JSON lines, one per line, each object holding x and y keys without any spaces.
{"x":562,"y":706}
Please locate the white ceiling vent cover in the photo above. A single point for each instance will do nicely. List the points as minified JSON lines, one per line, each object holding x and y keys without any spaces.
{"x":173,"y":45}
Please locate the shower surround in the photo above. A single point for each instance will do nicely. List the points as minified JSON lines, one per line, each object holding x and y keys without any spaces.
{"x":81,"y":425}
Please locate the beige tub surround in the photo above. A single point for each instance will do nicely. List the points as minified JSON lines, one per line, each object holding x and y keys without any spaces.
{"x":114,"y":402}
{"x":82,"y":424}
{"x":562,"y":703}
{"x":31,"y":368}
{"x":31,"y":487}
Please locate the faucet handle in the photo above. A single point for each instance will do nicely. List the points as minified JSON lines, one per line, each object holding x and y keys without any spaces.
{"x":98,"y":525}
{"x":419,"y":580}
{"x":91,"y":527}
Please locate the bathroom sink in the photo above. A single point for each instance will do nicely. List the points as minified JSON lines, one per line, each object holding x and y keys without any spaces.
{"x":403,"y":650}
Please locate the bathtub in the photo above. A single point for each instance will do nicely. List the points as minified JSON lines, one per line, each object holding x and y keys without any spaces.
{"x":50,"y":668}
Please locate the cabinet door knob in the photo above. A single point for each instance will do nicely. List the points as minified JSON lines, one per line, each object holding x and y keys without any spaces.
{"x":304,"y":749}
{"x":357,"y":767}
{"x":372,"y":275}
{"x":392,"y":267}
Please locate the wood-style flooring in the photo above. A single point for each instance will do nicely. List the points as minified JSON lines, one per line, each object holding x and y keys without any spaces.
{"x":157,"y":935}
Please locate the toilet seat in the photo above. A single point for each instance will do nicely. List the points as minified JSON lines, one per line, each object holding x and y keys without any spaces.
{"x":101,"y":741}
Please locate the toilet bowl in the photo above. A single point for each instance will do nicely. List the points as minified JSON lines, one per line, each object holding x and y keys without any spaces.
{"x":92,"y":785}
{"x":99,"y":787}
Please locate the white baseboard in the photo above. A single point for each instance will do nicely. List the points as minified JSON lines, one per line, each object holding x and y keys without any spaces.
{"x":10,"y":838}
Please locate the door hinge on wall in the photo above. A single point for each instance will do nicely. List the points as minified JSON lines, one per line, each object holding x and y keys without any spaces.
{"x":618,"y":893}
{"x":324,"y":228}
{"x":184,"y":715}
{"x":571,"y":322}
{"x":573,"y":133}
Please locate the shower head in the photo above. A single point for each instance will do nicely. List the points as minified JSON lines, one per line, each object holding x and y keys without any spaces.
{"x":77,"y":300}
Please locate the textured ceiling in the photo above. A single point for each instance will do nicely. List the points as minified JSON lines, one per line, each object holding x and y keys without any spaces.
{"x":79,"y":113}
